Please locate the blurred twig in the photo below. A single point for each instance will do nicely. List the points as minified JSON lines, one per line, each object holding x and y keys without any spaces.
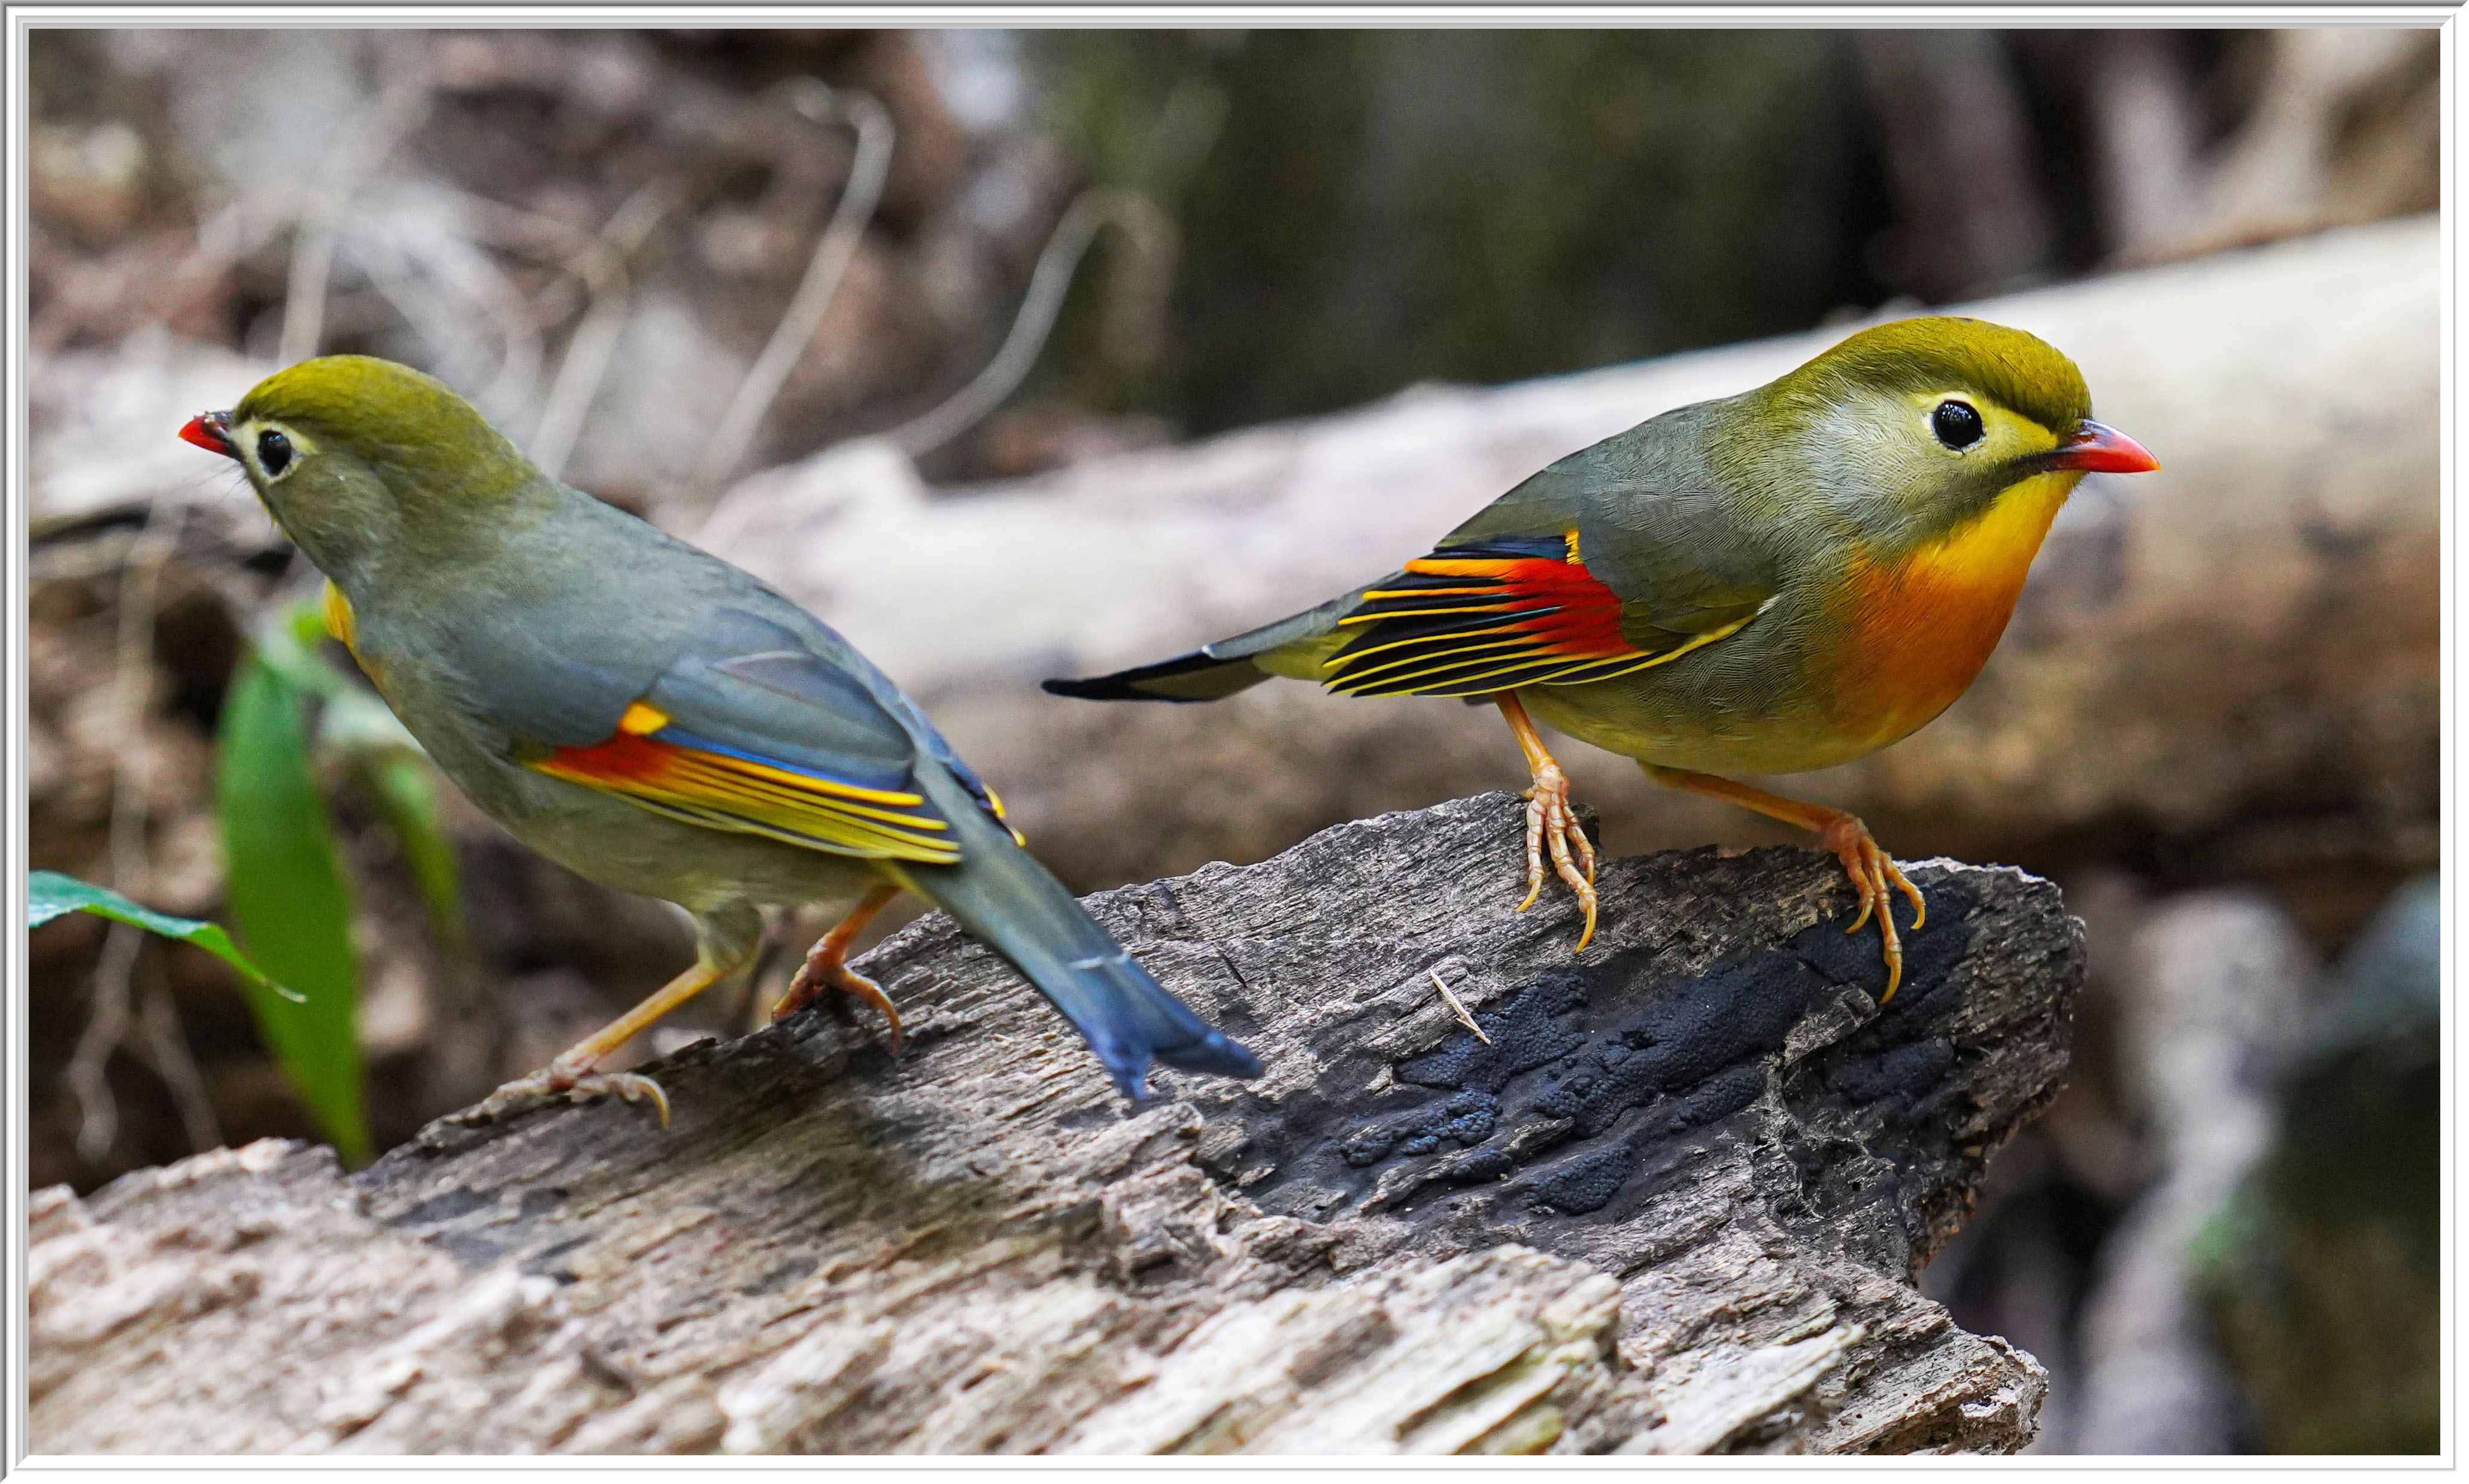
{"x":602,"y":266}
{"x":133,"y":681}
{"x":833,"y":254}
{"x":397,"y":111}
{"x":167,"y":1048}
{"x":598,"y":260}
{"x":434,"y":269}
{"x":98,"y":1113}
{"x":520,"y":331}
{"x":225,"y":236}
{"x":1152,"y":239}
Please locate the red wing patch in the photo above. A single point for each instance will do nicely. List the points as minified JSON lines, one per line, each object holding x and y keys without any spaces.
{"x":1472,"y":620}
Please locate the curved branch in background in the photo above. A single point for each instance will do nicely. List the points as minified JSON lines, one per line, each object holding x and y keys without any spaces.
{"x":141,"y":576}
{"x":588,"y":351}
{"x":98,"y":1112}
{"x":598,"y":259}
{"x":1152,"y":239}
{"x":519,"y":331}
{"x":448,"y":289}
{"x":586,"y":255}
{"x":167,"y":1051}
{"x":394,"y":115}
{"x":822,"y":105}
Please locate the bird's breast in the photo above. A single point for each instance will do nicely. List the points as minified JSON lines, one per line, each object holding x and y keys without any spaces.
{"x":1910,"y":632}
{"x":344,"y":626}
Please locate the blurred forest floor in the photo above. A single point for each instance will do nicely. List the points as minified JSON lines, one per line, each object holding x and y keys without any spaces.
{"x":665,"y":260}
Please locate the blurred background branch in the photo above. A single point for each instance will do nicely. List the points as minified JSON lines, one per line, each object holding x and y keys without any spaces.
{"x":358,"y":156}
{"x":132,"y":680}
{"x":833,"y":253}
{"x":1131,"y":330}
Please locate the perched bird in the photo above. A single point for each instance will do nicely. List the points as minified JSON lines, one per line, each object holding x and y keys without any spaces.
{"x":1775,"y":582}
{"x":654,"y":719}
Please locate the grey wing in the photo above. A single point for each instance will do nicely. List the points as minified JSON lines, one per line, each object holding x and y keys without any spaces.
{"x":1654,"y":526}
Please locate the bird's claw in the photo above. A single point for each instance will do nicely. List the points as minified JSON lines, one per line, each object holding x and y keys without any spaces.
{"x":824,"y":968}
{"x":1551,"y":823}
{"x":1872,"y":872}
{"x":576,"y":1085}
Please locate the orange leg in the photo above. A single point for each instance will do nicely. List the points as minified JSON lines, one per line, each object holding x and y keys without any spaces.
{"x":1872,"y":870}
{"x":571,"y":1072}
{"x":827,"y":967}
{"x":1550,"y":820}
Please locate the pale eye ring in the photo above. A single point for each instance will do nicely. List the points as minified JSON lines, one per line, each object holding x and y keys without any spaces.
{"x":1956,"y":424}
{"x":273,"y":453}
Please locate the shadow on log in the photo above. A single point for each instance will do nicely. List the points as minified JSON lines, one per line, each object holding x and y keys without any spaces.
{"x":1668,"y":1199}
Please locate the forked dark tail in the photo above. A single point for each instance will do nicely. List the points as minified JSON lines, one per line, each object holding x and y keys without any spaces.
{"x":1211,"y":671}
{"x":1005,"y":898}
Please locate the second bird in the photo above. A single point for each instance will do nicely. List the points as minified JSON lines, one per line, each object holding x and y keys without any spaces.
{"x":656,"y":719}
{"x":1775,"y":582}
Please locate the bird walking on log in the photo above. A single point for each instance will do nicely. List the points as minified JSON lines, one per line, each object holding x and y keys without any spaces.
{"x":1775,"y":582}
{"x":654,"y":719}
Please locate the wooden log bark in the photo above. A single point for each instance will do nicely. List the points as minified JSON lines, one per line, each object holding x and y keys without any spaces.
{"x":1665,"y":1195}
{"x":2231,"y":661}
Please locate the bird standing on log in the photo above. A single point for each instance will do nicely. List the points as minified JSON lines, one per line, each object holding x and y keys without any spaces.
{"x":1775,"y":582}
{"x":654,"y":719}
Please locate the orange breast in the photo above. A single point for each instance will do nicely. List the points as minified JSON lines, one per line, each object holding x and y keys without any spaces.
{"x":1913,"y":630}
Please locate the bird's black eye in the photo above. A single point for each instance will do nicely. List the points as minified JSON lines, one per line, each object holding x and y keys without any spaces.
{"x":1956,"y":425}
{"x":274,"y":451}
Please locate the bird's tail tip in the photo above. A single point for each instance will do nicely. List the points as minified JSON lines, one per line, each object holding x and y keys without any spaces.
{"x":1198,"y":676}
{"x":1216,"y":1056}
{"x":1096,"y":688}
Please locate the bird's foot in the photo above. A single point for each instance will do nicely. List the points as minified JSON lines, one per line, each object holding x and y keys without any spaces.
{"x":1551,"y":823}
{"x":576,"y":1082}
{"x":824,"y":968}
{"x":1873,"y":872}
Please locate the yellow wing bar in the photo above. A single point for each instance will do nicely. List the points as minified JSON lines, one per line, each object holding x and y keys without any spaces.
{"x":722,"y":790}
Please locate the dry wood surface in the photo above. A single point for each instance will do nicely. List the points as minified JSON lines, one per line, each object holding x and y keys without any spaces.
{"x":1666,"y":1195}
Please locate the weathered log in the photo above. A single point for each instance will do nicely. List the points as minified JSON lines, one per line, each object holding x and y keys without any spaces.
{"x":2231,"y":661}
{"x":1668,"y":1196}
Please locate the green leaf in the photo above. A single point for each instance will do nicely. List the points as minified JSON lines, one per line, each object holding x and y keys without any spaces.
{"x":286,"y":644}
{"x":49,"y":894}
{"x":286,"y":895}
{"x":364,"y":733}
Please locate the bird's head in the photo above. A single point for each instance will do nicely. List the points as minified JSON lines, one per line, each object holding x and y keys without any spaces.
{"x":1914,"y":426}
{"x":360,"y":458}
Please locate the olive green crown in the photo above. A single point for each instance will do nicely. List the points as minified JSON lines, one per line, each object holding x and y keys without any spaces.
{"x":2018,"y":371}
{"x":396,"y":420}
